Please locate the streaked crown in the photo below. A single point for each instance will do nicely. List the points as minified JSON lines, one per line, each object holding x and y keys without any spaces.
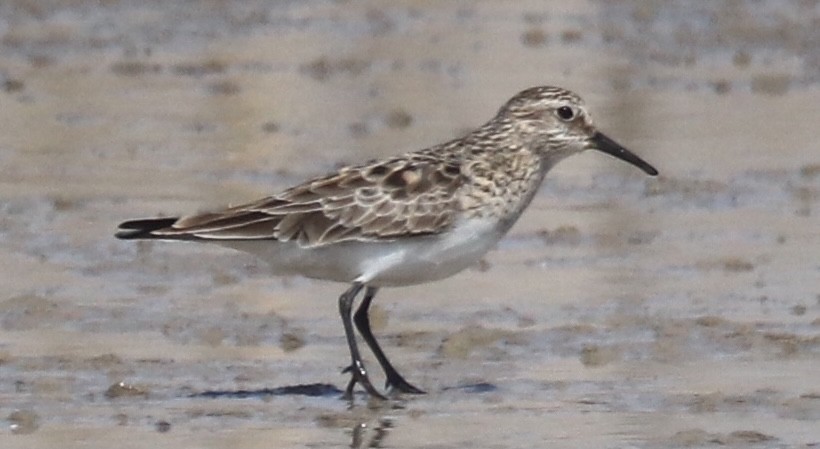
{"x":548,"y":117}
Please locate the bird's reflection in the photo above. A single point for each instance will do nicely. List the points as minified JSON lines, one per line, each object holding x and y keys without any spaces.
{"x":370,"y":426}
{"x":370,"y":435}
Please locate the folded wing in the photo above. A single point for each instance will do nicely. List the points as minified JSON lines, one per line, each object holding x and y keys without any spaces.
{"x":395,"y":198}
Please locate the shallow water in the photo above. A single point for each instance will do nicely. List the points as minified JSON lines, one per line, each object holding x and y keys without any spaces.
{"x":622,"y":311}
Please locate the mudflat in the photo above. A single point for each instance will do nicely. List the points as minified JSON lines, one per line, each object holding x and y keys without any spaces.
{"x":621,"y":311}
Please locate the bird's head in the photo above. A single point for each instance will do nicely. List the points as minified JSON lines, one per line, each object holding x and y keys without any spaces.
{"x":555,"y":122}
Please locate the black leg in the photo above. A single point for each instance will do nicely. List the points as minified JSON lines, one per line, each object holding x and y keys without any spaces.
{"x":362,"y":319}
{"x":357,"y":371}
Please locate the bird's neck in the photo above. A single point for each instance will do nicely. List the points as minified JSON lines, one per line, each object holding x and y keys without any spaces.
{"x":501,"y":182}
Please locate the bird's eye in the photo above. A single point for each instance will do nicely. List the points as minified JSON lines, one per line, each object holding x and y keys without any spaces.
{"x":566,"y":113}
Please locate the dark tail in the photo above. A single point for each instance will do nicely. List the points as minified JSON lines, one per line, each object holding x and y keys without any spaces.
{"x":142,"y":229}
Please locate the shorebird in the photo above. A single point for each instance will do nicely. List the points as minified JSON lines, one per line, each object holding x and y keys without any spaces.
{"x":409,"y":219}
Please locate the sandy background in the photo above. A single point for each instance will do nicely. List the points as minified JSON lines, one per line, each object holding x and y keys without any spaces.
{"x":622,"y":310}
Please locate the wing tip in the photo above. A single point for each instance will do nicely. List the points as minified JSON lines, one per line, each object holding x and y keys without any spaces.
{"x":144,"y":228}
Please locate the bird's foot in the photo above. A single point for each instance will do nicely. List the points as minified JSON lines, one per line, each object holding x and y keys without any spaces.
{"x":395,"y":382}
{"x":359,"y":375}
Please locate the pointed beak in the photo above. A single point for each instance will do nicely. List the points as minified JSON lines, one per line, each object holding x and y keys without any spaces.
{"x":601,"y":142}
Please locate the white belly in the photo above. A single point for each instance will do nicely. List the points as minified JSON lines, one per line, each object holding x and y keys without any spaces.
{"x":399,"y":262}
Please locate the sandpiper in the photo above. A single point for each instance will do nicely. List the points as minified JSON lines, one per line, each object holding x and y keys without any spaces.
{"x":404,"y":220}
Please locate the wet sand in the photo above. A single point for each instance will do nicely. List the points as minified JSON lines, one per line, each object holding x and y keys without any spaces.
{"x":621,"y":311}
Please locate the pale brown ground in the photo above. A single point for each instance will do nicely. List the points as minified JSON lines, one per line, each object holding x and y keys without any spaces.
{"x":622,"y":311}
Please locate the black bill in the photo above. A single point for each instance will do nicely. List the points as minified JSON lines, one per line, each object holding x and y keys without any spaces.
{"x":601,"y":142}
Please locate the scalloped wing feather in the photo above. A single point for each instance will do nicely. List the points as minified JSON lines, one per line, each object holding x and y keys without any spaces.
{"x":395,"y":198}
